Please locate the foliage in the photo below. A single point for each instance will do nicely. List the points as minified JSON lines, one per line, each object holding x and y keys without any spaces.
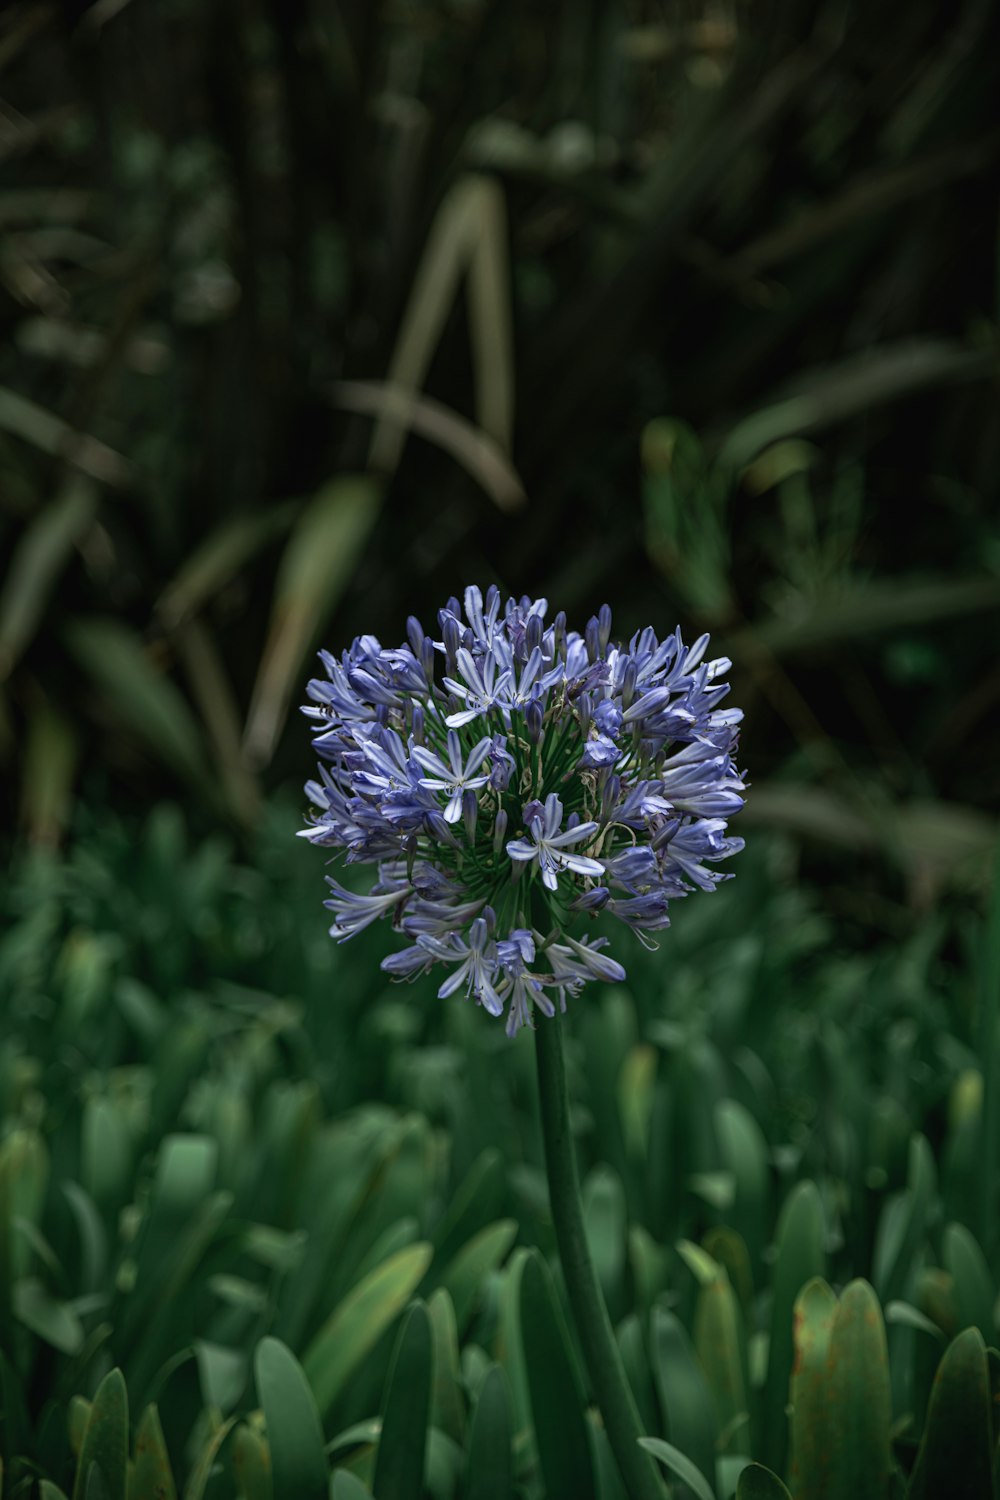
{"x":219,"y":1255}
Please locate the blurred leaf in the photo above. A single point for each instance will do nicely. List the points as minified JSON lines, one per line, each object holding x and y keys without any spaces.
{"x":294,"y":1433}
{"x":105,"y":1440}
{"x":868,"y":609}
{"x":463,"y":1278}
{"x":686,"y":1404}
{"x":52,"y":1320}
{"x":41,"y":553}
{"x":809,"y":1466}
{"x":152,"y":1478}
{"x":903,"y":1223}
{"x":345,"y":1486}
{"x":145,"y":701}
{"x":678,"y":1463}
{"x":858,"y":1398}
{"x":604,"y":1221}
{"x":447,"y":1406}
{"x":757,"y":1483}
{"x":489,"y":1473}
{"x":222,"y":1374}
{"x":800,"y":1257}
{"x":557,"y":1402}
{"x":219,"y":559}
{"x":482,"y":458}
{"x":468,"y":233}
{"x":718,"y":1343}
{"x":316,"y":565}
{"x":50,"y":760}
{"x":399,"y":1459}
{"x":204,"y":1464}
{"x":975,"y":1288}
{"x":44,"y":430}
{"x":858,"y":384}
{"x":955,"y":1456}
{"x":251,"y":1464}
{"x":360,"y":1320}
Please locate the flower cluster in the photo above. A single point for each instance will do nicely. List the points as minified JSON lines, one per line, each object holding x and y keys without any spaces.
{"x":512,"y":779}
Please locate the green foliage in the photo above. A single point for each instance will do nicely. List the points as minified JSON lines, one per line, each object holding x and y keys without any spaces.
{"x":207,"y":1224}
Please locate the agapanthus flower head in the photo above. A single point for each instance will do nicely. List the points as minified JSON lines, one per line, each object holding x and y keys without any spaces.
{"x":512,"y":780}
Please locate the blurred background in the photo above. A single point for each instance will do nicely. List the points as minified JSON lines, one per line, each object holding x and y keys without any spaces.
{"x":313,"y":312}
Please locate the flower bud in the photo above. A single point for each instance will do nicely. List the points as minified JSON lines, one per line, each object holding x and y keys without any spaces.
{"x":604,"y":621}
{"x":533,"y":632}
{"x":470,"y":811}
{"x":628,"y":683}
{"x":500,"y":831}
{"x":592,"y":637}
{"x":533,"y":720}
{"x":415,"y":636}
{"x":452,"y":637}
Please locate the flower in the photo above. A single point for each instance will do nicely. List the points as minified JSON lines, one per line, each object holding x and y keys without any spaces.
{"x":512,"y":780}
{"x":549,"y":845}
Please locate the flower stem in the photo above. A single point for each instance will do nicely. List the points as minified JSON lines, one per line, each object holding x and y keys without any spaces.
{"x":600,"y":1351}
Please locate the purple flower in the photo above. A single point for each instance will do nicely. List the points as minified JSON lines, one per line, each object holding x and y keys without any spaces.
{"x":456,"y":777}
{"x":615,"y":760}
{"x":549,"y":845}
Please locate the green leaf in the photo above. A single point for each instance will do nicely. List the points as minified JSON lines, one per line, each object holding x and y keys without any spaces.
{"x":718,"y":1342}
{"x":678,"y":1463}
{"x":463,"y":1279}
{"x":557,"y":1402}
{"x":46,"y":1489}
{"x":975,"y":1293}
{"x":604,"y":1220}
{"x":346,"y":1486}
{"x":205,"y":1462}
{"x":217,"y":560}
{"x":317,"y":564}
{"x":815,"y":1309}
{"x":686,"y":1404}
{"x":356,"y":1325}
{"x":105,"y":1441}
{"x":955,"y":1457}
{"x":251,"y":1464}
{"x":294,"y":1431}
{"x":57,"y":1323}
{"x":858,"y":1398}
{"x":447,"y":1407}
{"x":510,"y":1345}
{"x":152,"y":1478}
{"x":50,"y":760}
{"x":489,"y":1472}
{"x":744,"y":1153}
{"x":222,"y":1373}
{"x":474,"y":1205}
{"x":757,"y":1483}
{"x":399,"y":1459}
{"x":40,"y":555}
{"x":144,"y":700}
{"x":903,"y":1223}
{"x":837,"y":392}
{"x":800,"y":1258}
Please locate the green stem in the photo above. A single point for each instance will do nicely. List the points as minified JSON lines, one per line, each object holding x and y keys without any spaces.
{"x":600,"y":1350}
